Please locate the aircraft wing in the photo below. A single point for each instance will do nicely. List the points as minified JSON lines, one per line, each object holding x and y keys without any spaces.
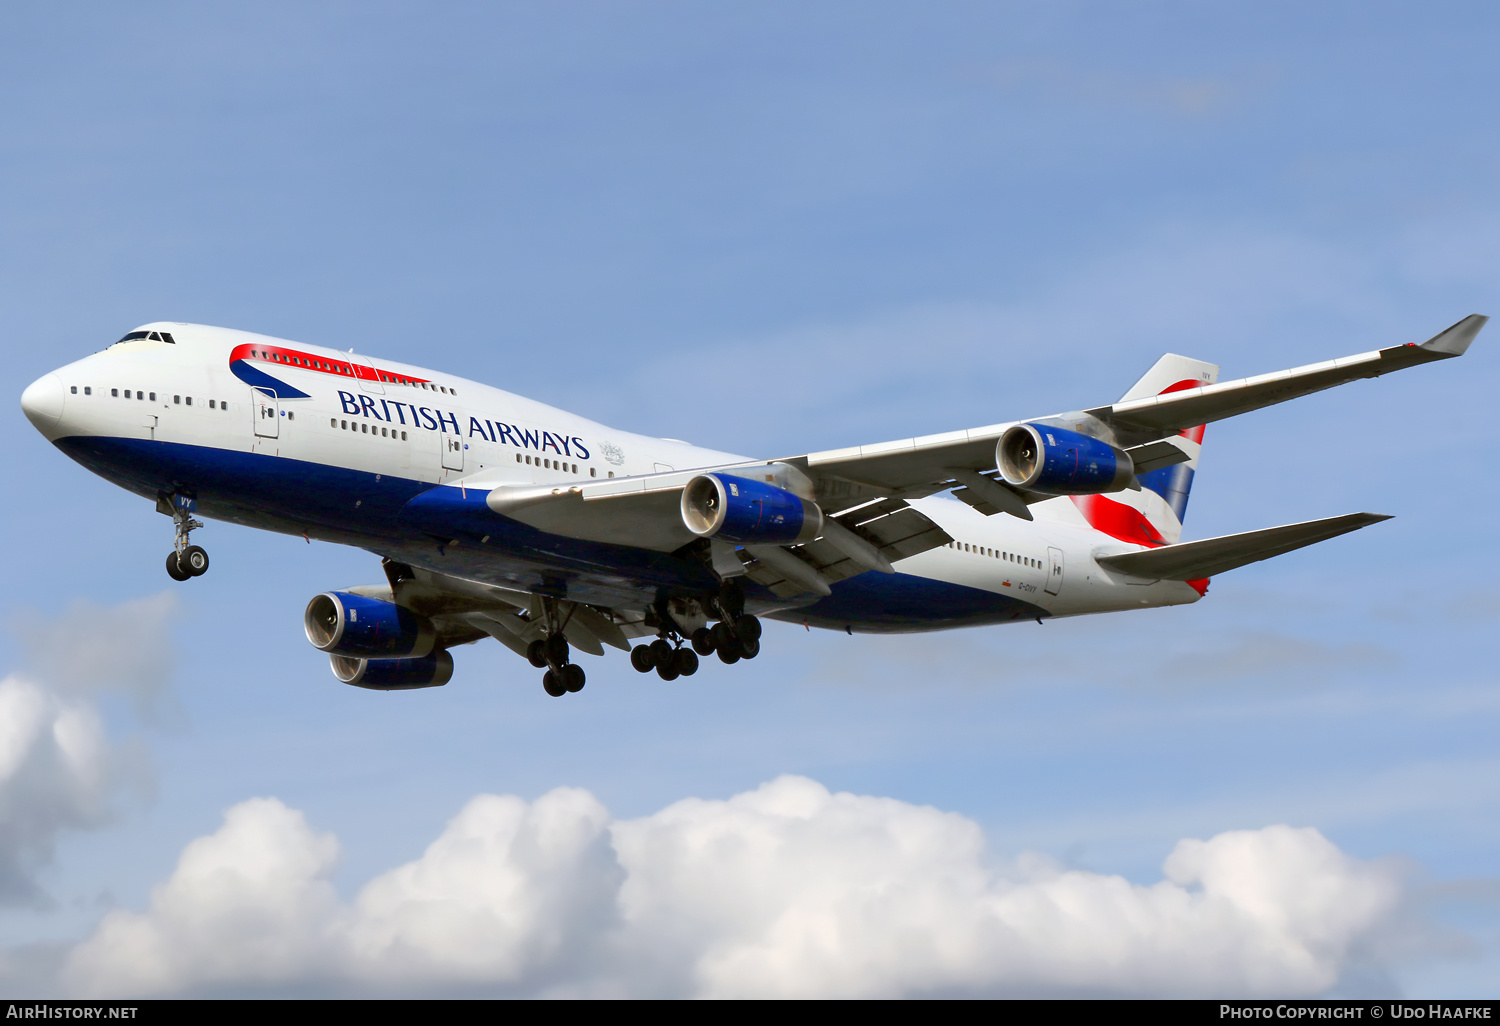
{"x":912,"y":467}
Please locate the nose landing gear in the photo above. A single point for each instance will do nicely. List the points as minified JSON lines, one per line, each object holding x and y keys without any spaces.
{"x":185,"y":560}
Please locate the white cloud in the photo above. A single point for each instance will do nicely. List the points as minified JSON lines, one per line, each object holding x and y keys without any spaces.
{"x":788,"y":890}
{"x":58,"y":769}
{"x":57,"y":772}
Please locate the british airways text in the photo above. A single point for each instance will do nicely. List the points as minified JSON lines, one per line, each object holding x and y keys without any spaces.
{"x":395,"y":411}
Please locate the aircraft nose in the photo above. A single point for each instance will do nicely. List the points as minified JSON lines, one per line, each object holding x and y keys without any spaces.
{"x":42,"y":402}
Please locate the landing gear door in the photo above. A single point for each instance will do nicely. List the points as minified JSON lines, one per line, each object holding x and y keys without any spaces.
{"x":1054,"y":571}
{"x":267,"y":413}
{"x":453,"y":452}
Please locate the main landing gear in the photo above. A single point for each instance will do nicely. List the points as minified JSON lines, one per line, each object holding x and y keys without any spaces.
{"x":735,"y":637}
{"x":551,"y":652}
{"x":185,"y":560}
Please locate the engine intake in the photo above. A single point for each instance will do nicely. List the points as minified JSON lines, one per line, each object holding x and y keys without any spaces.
{"x":739,"y":509}
{"x":344,"y":624}
{"x":430,"y":671}
{"x":1056,"y":461}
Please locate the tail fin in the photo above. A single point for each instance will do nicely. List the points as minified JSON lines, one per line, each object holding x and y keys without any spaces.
{"x":1153,"y":515}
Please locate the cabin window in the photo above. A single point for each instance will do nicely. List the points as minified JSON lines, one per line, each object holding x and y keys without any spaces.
{"x":611,"y":473}
{"x":211,"y":404}
{"x":403,"y":436}
{"x":189,"y":400}
{"x":518,"y":457}
{"x":593,"y":472}
{"x":153,"y":397}
{"x":74,"y":390}
{"x":177,"y":399}
{"x":382,"y":432}
{"x":115,"y":392}
{"x":364,"y":429}
{"x":290,"y":415}
{"x":87,"y":390}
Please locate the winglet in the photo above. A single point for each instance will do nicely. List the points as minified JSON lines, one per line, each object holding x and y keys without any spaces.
{"x":1455,"y":340}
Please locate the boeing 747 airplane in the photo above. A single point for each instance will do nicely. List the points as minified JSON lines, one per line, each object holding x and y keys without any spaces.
{"x":495,"y":516}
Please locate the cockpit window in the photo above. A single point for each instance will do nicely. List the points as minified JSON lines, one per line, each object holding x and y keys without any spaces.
{"x":150,"y":336}
{"x":133,"y":336}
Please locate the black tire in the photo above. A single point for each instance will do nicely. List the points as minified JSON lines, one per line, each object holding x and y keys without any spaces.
{"x":553,"y":685}
{"x":536,"y":653}
{"x":703,"y":641}
{"x":662,"y":653}
{"x":747,"y":627}
{"x":557,"y":650}
{"x":173,"y":570}
{"x":642,"y":659}
{"x":729,"y":653}
{"x":687,"y":662}
{"x":667,"y":672}
{"x":193,"y":561}
{"x":749,"y":649}
{"x":573,"y":677}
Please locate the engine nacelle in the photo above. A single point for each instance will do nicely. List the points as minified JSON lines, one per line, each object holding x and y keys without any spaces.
{"x":430,"y":671}
{"x":1056,"y":461}
{"x":739,"y":509}
{"x":345,"y":624}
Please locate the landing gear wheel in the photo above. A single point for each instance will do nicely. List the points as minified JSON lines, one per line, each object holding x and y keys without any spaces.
{"x":573,"y":677}
{"x":730,"y":653}
{"x":747,"y":627}
{"x":173,"y":570}
{"x":553,"y":685}
{"x":642,"y":658}
{"x":749,"y":649}
{"x":667,"y":672}
{"x":686,"y":662}
{"x":194,"y":561}
{"x":557,"y":649}
{"x":536,"y":653}
{"x":662,"y":654}
{"x":703,"y":641}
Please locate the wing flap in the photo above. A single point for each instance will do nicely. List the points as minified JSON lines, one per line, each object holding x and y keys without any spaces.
{"x":1191,"y":561}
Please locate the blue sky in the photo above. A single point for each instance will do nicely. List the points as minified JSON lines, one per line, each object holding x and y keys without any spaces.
{"x":773,"y":230}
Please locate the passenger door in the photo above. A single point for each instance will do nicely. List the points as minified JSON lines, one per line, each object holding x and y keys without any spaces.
{"x":1054,"y":571}
{"x":453,"y":451}
{"x":267,"y":413}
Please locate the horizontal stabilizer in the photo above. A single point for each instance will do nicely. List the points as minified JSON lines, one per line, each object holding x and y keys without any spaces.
{"x":1191,"y":561}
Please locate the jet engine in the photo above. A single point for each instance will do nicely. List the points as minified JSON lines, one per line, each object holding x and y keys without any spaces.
{"x":344,"y":624}
{"x":1055,"y":461}
{"x":430,"y":671}
{"x":739,"y":509}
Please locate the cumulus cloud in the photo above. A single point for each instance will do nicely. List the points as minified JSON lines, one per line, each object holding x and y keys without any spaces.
{"x":58,"y":769}
{"x":788,"y":890}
